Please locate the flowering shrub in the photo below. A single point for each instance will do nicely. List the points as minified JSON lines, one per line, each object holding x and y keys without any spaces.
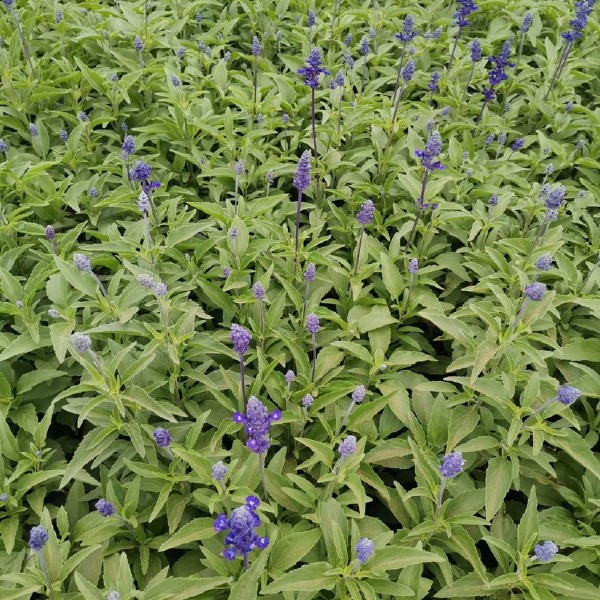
{"x":299,"y":301}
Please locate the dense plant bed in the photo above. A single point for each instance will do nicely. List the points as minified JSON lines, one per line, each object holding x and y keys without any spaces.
{"x":299,"y":305}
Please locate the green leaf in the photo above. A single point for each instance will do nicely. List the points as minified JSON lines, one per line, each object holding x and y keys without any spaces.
{"x":308,"y":578}
{"x":578,"y":450}
{"x":289,"y":550}
{"x":498,"y":479}
{"x":195,"y":530}
{"x":529,"y":524}
{"x":398,"y":557}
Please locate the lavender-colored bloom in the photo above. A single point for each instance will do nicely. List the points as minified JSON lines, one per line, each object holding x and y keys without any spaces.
{"x":409,"y":70}
{"x":348,"y":446}
{"x":546,"y":552}
{"x":307,"y":401}
{"x":3,"y":147}
{"x":143,"y":203}
{"x":583,"y":10}
{"x":3,"y":497}
{"x":332,"y":84}
{"x":82,"y":117}
{"x":33,"y":130}
{"x":257,"y":422}
{"x":233,"y":233}
{"x":475,"y":48}
{"x":372,"y":33}
{"x":348,"y":40}
{"x":175,"y":81}
{"x":311,"y":18}
{"x":202,"y":46}
{"x":50,"y":232}
{"x":580,"y":145}
{"x":260,"y":118}
{"x":285,"y":118}
{"x":290,"y":376}
{"x":310,"y":273}
{"x":227,"y":56}
{"x":128,"y":146}
{"x":412,"y":50}
{"x":551,"y":214}
{"x":433,"y":147}
{"x":452,"y":464}
{"x":259,"y":291}
{"x":226,"y":272}
{"x":312,"y":323}
{"x":364,"y":550}
{"x":535,"y":291}
{"x":502,"y":138}
{"x":544,"y":263}
{"x":569,"y":106}
{"x":58,"y":17}
{"x":105,"y":508}
{"x":413,"y":266}
{"x":64,"y":135}
{"x":364,"y":46}
{"x":348,"y":60}
{"x":242,"y":538}
{"x":489,"y":139}
{"x":82,"y":262}
{"x":339,"y":79}
{"x":555,"y":197}
{"x":255,"y":46}
{"x":38,"y":536}
{"x":518,"y":144}
{"x":180,"y":52}
{"x":312,"y":69}
{"x":240,"y":339}
{"x":466,"y":7}
{"x":408,"y":32}
{"x":124,"y":127}
{"x":549,"y":169}
{"x":366,"y":213}
{"x":497,"y":74}
{"x":19,"y":304}
{"x":93,"y":192}
{"x":53,"y":313}
{"x":138,"y":44}
{"x":437,"y":32}
{"x":445,"y":111}
{"x":160,"y":290}
{"x":146,"y":281}
{"x":270,"y":176}
{"x":81,"y":342}
{"x":567,"y":394}
{"x":219,"y":470}
{"x":198,"y":17}
{"x":239,"y":167}
{"x":113,"y":596}
{"x":526,"y":23}
{"x":359,"y":393}
{"x":434,"y":81}
{"x":162,"y":437}
{"x":140,"y":171}
{"x":493,"y":201}
{"x":302,"y":175}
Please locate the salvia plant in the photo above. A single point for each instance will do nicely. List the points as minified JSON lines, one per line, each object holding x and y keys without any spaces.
{"x":299,"y":301}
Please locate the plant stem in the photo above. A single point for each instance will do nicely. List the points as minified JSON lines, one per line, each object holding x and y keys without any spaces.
{"x":44,"y":567}
{"x":470,"y":77}
{"x":261,"y":467}
{"x":539,"y":410}
{"x":399,"y":72}
{"x":440,"y":495}
{"x":481,"y":111}
{"x":314,"y":356}
{"x":420,"y":211}
{"x":559,"y":66}
{"x":360,"y":239}
{"x":521,"y":313}
{"x":237,"y":184}
{"x":314,"y":124}
{"x":520,"y":52}
{"x":343,"y":423}
{"x":23,"y":40}
{"x":297,"y":235}
{"x":456,"y":37}
{"x":243,"y":383}
{"x":305,"y":302}
{"x":255,"y":79}
{"x":398,"y":104}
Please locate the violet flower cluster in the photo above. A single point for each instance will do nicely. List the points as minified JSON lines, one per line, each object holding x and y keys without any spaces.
{"x":312,"y":69}
{"x":257,"y":422}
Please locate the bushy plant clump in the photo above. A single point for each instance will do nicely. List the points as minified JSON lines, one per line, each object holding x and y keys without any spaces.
{"x":299,"y":300}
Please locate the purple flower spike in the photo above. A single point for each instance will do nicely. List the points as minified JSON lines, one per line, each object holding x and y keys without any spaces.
{"x":358,"y":395}
{"x":257,"y":422}
{"x":105,"y":508}
{"x":429,"y":156}
{"x":348,"y":446}
{"x":452,"y":465}
{"x":312,"y":323}
{"x":242,"y":538}
{"x":240,"y":338}
{"x":38,"y":537}
{"x":544,"y":263}
{"x":162,"y":437}
{"x":313,"y":69}
{"x":259,"y":291}
{"x":546,"y":552}
{"x":366,"y":213}
{"x":413,"y":266}
{"x":364,"y":550}
{"x":535,"y":291}
{"x":302,"y":176}
{"x":307,"y":401}
{"x":290,"y":376}
{"x":310,"y":273}
{"x":567,"y":394}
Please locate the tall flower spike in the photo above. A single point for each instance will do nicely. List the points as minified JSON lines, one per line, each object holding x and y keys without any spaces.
{"x":38,"y":537}
{"x":545,"y":552}
{"x":302,"y":175}
{"x":452,"y":465}
{"x":312,"y":69}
